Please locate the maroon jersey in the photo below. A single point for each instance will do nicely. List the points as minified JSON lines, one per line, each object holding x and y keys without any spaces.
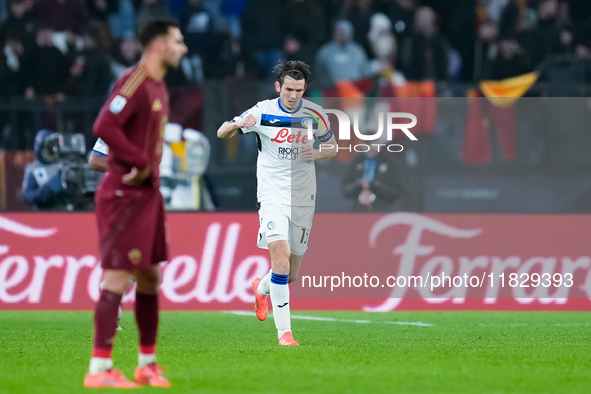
{"x":131,"y":218}
{"x":132,"y":123}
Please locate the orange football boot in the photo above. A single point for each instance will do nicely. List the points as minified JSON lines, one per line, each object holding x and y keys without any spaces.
{"x":261,"y":307}
{"x":287,"y":340}
{"x":112,"y":378}
{"x":152,"y":375}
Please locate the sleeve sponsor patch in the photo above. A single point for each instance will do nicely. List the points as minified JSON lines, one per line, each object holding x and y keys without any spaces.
{"x":117,"y":104}
{"x":326,"y":136}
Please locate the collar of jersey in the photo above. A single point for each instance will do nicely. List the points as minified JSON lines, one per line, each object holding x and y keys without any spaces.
{"x":289,"y":112}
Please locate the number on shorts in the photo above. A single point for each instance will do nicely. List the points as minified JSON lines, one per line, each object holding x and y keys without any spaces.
{"x":305,"y":234}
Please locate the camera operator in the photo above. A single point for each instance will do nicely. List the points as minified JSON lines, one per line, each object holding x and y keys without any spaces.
{"x":60,"y":179}
{"x":42,"y":182}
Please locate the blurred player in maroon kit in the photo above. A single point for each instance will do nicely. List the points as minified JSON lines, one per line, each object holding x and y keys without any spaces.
{"x":129,"y":206}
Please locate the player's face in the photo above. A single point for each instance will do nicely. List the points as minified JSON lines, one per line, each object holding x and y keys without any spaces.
{"x":174,"y":48}
{"x":291,"y":92}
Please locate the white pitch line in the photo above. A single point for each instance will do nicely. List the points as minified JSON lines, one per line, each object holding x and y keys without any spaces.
{"x":240,"y":313}
{"x":319,"y":318}
{"x":537,"y":325}
{"x":410,"y":323}
{"x":333,"y":319}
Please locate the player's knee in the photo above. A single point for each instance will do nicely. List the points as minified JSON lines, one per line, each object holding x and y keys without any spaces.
{"x":118,"y":285}
{"x":148,"y":281}
{"x":281,"y":266}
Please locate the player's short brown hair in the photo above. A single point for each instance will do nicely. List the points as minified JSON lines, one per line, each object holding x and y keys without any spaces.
{"x":153,"y":27}
{"x":295,"y":69}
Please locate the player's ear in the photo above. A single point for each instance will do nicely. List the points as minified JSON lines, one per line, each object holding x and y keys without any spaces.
{"x":160,"y":43}
{"x":277,"y":86}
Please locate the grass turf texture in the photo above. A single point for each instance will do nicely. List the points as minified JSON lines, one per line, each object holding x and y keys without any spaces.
{"x":213,"y":352}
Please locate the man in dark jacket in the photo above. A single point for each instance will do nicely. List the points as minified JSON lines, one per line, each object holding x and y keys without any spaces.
{"x":372,"y":180}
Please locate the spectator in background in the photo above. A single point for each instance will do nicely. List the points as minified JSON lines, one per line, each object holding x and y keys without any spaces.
{"x":304,"y":32}
{"x":338,"y":9}
{"x":61,"y":15}
{"x":518,"y":21}
{"x":232,"y":12}
{"x":198,"y":29}
{"x":90,"y":72}
{"x":45,"y":68}
{"x":546,"y":35}
{"x":20,"y":25}
{"x":580,"y":14}
{"x":493,"y":9}
{"x":175,"y":7}
{"x":126,"y":53}
{"x":12,"y":84}
{"x":100,"y":9}
{"x":401,"y":13}
{"x":372,"y":181}
{"x":360,"y":16}
{"x":236,"y":63}
{"x":151,"y":7}
{"x":342,"y":59}
{"x":122,"y":20}
{"x":516,"y":16}
{"x":583,"y":44}
{"x":460,"y":32}
{"x":11,"y":74}
{"x":424,"y":52}
{"x":566,"y":41}
{"x":509,"y":60}
{"x":568,"y":30}
{"x":17,"y":38}
{"x":3,"y":10}
{"x":264,"y":32}
{"x":384,"y":48}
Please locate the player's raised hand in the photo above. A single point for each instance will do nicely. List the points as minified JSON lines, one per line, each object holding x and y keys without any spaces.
{"x":136,"y":177}
{"x":309,"y":153}
{"x":247,"y":122}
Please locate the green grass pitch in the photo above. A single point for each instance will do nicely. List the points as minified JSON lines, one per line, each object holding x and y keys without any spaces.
{"x":214,"y":352}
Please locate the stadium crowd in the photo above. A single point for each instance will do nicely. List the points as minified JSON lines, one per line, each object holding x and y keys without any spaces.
{"x":60,"y":48}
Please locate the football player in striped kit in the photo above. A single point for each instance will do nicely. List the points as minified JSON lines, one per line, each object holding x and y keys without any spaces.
{"x":286,"y":182}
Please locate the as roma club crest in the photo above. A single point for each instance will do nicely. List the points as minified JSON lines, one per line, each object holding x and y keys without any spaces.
{"x":135,"y":256}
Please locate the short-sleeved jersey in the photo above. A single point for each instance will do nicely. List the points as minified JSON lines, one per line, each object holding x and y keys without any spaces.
{"x":132,"y":123}
{"x":101,"y":148}
{"x":283,"y":176}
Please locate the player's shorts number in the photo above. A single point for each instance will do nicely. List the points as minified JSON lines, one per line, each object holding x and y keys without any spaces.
{"x":305,"y":235}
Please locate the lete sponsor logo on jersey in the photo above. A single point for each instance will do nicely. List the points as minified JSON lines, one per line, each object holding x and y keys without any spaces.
{"x":284,"y":136}
{"x":117,"y":104}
